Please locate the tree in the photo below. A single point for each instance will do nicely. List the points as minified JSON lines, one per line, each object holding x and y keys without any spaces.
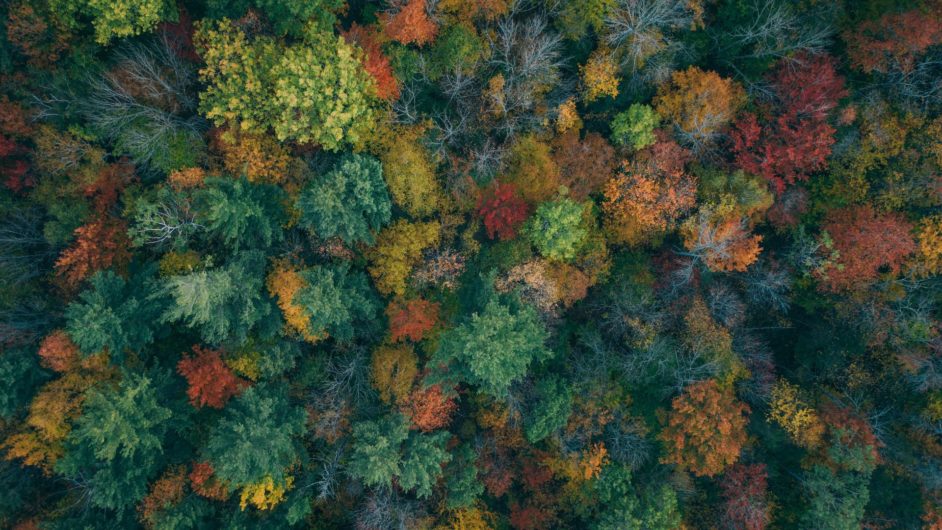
{"x":122,"y":19}
{"x":399,"y":249}
{"x":375,"y":458}
{"x":257,"y":438}
{"x":745,"y":490}
{"x":240,"y":214}
{"x":635,"y":126}
{"x":557,"y":229}
{"x":58,"y":352}
{"x":895,"y":40}
{"x":411,"y":319}
{"x":699,"y":104}
{"x":461,"y":475}
{"x":585,"y":165}
{"x":410,"y":173}
{"x":384,"y":449}
{"x":291,"y":16}
{"x":706,"y":429}
{"x":503,"y":211}
{"x":551,"y":410}
{"x":337,"y":302}
{"x":110,"y":316}
{"x":99,"y":245}
{"x":493,"y":348}
{"x":866,"y":243}
{"x":796,"y":138}
{"x":114,"y":445}
{"x":530,"y":167}
{"x":645,"y":198}
{"x":624,"y":505}
{"x":836,"y":500}
{"x":349,"y":201}
{"x":429,"y":408}
{"x":393,"y":370}
{"x":721,"y":238}
{"x":211,"y":382}
{"x":599,"y":75}
{"x":221,"y":303}
{"x":374,"y":61}
{"x":799,"y":420}
{"x":410,"y":23}
{"x":261,"y":84}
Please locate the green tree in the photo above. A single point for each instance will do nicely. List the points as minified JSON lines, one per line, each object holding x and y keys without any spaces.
{"x":384,"y":449}
{"x":221,"y":303}
{"x":836,"y":501}
{"x":625,"y":505}
{"x":551,"y":410}
{"x":338,"y":301}
{"x":349,"y":202}
{"x":556,"y":229}
{"x":116,"y":444}
{"x":375,"y":459}
{"x":258,"y":437}
{"x":461,"y":474}
{"x":422,"y":459}
{"x":239,"y":213}
{"x":493,"y":348}
{"x":635,"y":126}
{"x":113,"y":315}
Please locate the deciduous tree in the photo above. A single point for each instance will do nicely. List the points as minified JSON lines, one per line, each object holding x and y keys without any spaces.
{"x":698,"y":103}
{"x":211,"y":382}
{"x":706,"y":429}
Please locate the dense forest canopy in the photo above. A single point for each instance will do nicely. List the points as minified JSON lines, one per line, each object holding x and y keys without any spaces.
{"x":471,"y":264}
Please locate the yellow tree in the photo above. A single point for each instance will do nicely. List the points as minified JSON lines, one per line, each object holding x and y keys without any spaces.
{"x":398,"y":250}
{"x":698,"y":103}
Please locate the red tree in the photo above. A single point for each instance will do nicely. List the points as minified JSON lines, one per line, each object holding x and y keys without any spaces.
{"x":584,"y":165}
{"x":374,"y":62}
{"x":503,"y":211}
{"x":205,"y":483}
{"x":412,"y":319}
{"x":99,"y":245}
{"x":211,"y":382}
{"x":867,"y":244}
{"x":795,"y":138}
{"x":430,"y":409}
{"x":745,"y":490}
{"x":14,"y":129}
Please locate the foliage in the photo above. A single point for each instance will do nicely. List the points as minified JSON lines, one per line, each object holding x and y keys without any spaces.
{"x":552,"y":409}
{"x":493,"y":348}
{"x":211,"y":382}
{"x":410,"y":24}
{"x":256,"y":440}
{"x":258,"y":84}
{"x":556,"y":229}
{"x":393,"y":371}
{"x":350,"y":201}
{"x":99,"y":245}
{"x":411,"y":319}
{"x":337,"y":302}
{"x":398,"y":249}
{"x":240,"y":214}
{"x":635,"y":126}
{"x":698,"y":103}
{"x":503,"y":211}
{"x":705,"y":430}
{"x":599,"y":76}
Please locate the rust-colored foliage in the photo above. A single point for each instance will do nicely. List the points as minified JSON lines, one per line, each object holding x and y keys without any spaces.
{"x":410,"y":24}
{"x":58,"y":352}
{"x":795,"y":139}
{"x":724,"y":242}
{"x":31,"y":33}
{"x":530,"y":517}
{"x":205,"y":483}
{"x":850,"y":430}
{"x":108,"y":184}
{"x":211,"y":382}
{"x":745,"y":488}
{"x":429,"y":408}
{"x":895,"y":40}
{"x":14,"y":128}
{"x":374,"y":62}
{"x":259,"y":157}
{"x":190,"y":177}
{"x":699,"y":102}
{"x":503,"y":211}
{"x":584,"y":165}
{"x":868,"y":243}
{"x":99,"y":245}
{"x":411,"y":319}
{"x":649,"y":194}
{"x":165,"y":492}
{"x":706,"y":429}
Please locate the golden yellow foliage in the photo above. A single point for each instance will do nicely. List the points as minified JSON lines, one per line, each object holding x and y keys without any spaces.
{"x":265,"y":494}
{"x":599,"y":75}
{"x":567,"y":117}
{"x":929,"y":250}
{"x":398,"y":249}
{"x":283,"y":283}
{"x":393,"y":370}
{"x":800,"y":421}
{"x":699,"y":103}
